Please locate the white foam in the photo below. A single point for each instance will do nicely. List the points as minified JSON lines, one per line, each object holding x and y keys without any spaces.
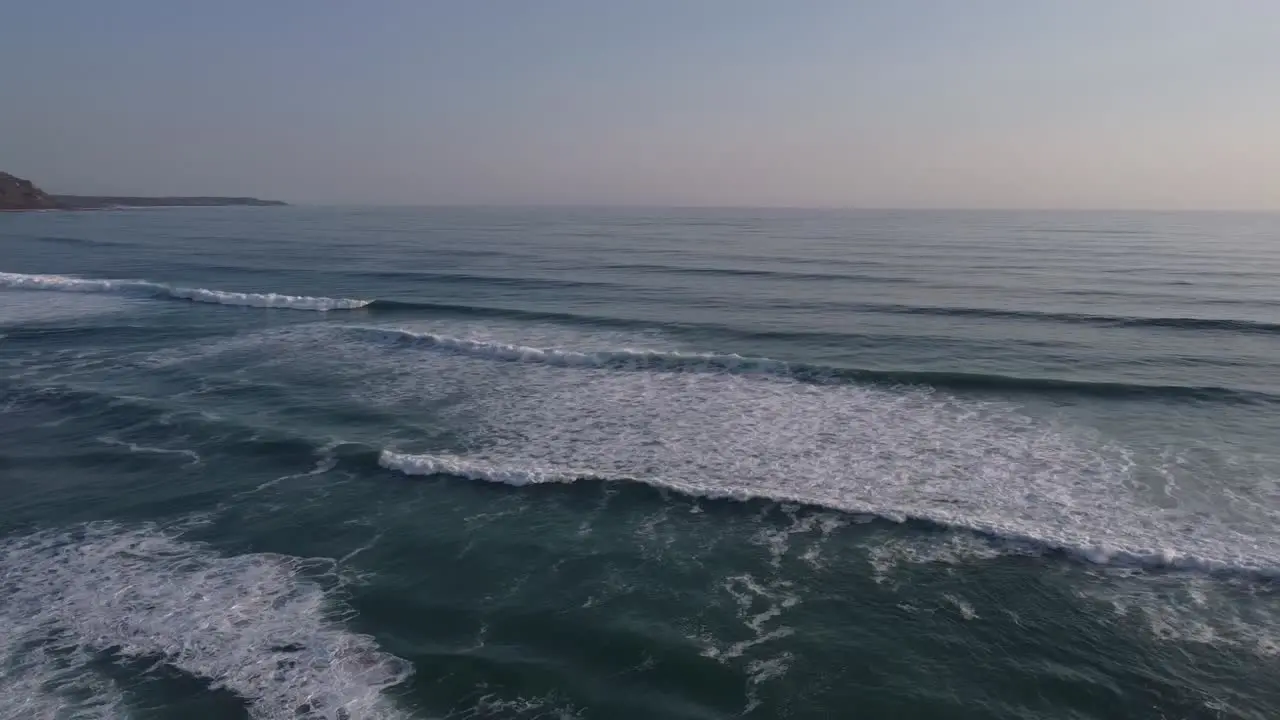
{"x":473,"y":470}
{"x":149,"y":450}
{"x":492,"y":705}
{"x":760,"y":605}
{"x":572,"y":358}
{"x":894,"y":453}
{"x":1192,"y":610}
{"x":867,"y":451}
{"x":750,"y":595}
{"x":778,"y":540}
{"x":886,"y":554}
{"x":66,"y":283}
{"x":964,"y":607}
{"x":22,"y":281}
{"x":266,"y":300}
{"x":42,"y":683}
{"x":1015,"y":534}
{"x":254,"y":624}
{"x":762,"y":671}
{"x":326,"y":462}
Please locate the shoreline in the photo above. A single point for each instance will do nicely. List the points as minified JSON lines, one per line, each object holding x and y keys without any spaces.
{"x":104,"y":208}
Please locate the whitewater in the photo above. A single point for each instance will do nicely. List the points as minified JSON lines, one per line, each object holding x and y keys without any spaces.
{"x":19,"y":281}
{"x":336,"y":464}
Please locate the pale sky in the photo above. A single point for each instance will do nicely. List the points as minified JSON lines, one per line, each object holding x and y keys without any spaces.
{"x":897,"y":103}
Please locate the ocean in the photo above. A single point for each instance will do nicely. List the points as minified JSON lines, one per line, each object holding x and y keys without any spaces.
{"x":346,"y":463}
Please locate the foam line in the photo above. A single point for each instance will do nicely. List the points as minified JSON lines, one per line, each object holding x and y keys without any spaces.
{"x":63,"y":283}
{"x":637,"y":359}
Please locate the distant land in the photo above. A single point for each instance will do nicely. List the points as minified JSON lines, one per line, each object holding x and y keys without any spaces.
{"x":19,"y":194}
{"x":96,"y":202}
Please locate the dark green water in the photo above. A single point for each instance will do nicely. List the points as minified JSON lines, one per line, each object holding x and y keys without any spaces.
{"x":343,"y":463}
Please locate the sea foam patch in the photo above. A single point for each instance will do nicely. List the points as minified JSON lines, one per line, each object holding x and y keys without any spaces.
{"x":254,"y":625}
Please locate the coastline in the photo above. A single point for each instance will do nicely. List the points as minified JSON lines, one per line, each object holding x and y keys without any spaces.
{"x":21,"y":195}
{"x":107,"y":208}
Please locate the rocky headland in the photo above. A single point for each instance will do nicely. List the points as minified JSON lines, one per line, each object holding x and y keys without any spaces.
{"x":19,"y":194}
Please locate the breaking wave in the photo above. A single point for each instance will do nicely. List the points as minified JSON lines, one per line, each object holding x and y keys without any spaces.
{"x":677,"y":361}
{"x":21,"y":281}
{"x":1077,"y":547}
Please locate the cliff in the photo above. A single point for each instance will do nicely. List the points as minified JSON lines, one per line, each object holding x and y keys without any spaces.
{"x":19,"y":194}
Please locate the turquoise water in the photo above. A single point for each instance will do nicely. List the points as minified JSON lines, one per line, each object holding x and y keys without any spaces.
{"x":420,"y":463}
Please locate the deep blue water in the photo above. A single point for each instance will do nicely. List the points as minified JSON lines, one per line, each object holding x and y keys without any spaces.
{"x":482,"y":463}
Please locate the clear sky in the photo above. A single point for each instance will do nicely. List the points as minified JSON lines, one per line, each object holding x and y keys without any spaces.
{"x":895,"y":103}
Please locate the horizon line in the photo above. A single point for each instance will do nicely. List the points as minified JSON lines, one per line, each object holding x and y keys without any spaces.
{"x":809,"y":208}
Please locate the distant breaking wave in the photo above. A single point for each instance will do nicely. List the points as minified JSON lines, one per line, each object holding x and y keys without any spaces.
{"x":636,"y":359}
{"x":676,"y":361}
{"x":21,"y":281}
{"x":324,"y":304}
{"x":519,"y":476}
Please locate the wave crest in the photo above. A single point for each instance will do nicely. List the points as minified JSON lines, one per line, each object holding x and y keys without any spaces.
{"x":621,"y":358}
{"x":64,"y":283}
{"x":678,"y":361}
{"x":473,"y":470}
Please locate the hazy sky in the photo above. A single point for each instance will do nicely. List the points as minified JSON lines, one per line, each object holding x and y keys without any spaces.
{"x":897,"y":103}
